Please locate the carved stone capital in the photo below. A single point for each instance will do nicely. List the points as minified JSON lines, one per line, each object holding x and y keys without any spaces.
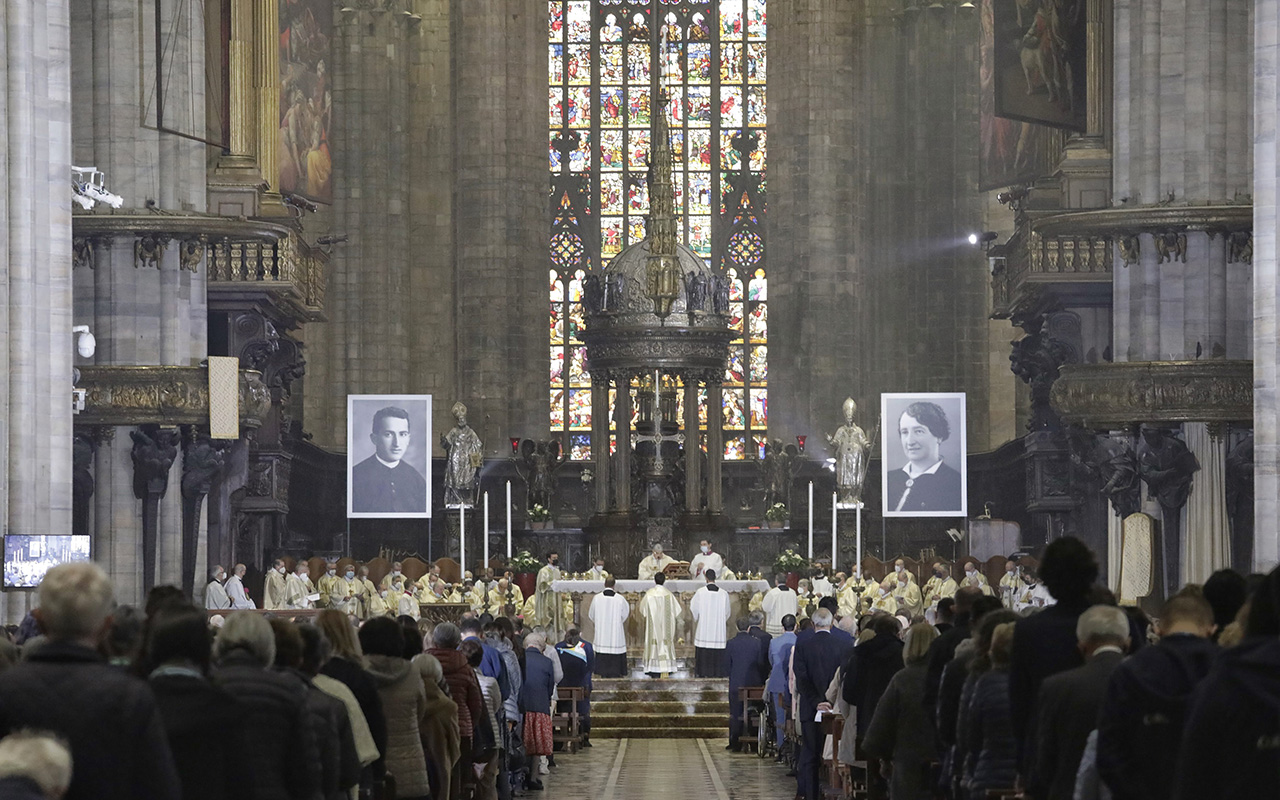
{"x":1118,"y":395}
{"x":202,"y":461}
{"x":153,"y":453}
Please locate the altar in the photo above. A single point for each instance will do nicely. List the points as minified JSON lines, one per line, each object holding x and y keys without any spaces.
{"x":583,"y":592}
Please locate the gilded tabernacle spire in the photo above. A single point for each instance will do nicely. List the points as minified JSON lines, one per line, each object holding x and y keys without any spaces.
{"x":663,"y":268}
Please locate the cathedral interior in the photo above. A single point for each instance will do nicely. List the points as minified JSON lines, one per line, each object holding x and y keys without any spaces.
{"x":725,"y":219}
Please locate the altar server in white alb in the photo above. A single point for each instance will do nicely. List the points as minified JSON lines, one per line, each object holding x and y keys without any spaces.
{"x":778,"y":602}
{"x":710,"y":610}
{"x":706,"y":559}
{"x":236,"y":592}
{"x":215,"y":596}
{"x":661,"y":612}
{"x":608,"y":612}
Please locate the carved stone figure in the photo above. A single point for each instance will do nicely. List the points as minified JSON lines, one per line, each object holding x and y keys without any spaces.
{"x":463,"y":459}
{"x":542,"y":458}
{"x":593,"y":293}
{"x":1240,"y":247}
{"x":779,"y":468}
{"x":720,"y":295}
{"x":1240,"y":503}
{"x":696,"y":291}
{"x":613,"y":292}
{"x":83,"y":449}
{"x":154,"y":449}
{"x":1171,"y":247}
{"x":850,"y":445}
{"x":1112,"y":462}
{"x":1130,"y":249}
{"x":1166,"y":466}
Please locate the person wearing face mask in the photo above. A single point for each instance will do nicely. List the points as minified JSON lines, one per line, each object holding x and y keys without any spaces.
{"x":215,"y":596}
{"x":907,"y":595}
{"x":547,"y":605}
{"x":822,"y":586}
{"x":884,"y":599}
{"x":931,"y":585}
{"x":778,"y":602}
{"x":273,"y":591}
{"x":974,"y":577}
{"x":389,"y":578}
{"x":370,"y":599}
{"x":299,"y":590}
{"x":597,"y":571}
{"x":343,"y":592}
{"x":654,"y":563}
{"x":325,"y":586}
{"x":706,"y":559}
{"x":1010,"y":583}
{"x":943,"y":585}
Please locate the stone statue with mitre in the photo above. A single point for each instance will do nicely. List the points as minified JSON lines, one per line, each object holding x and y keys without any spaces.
{"x":463,"y":460}
{"x":852,"y":449}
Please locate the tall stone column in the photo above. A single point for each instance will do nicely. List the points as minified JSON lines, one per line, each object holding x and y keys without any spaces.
{"x":1181,"y":149}
{"x":622,"y":455}
{"x":142,"y":312}
{"x":35,"y":273}
{"x":1266,"y":284}
{"x":692,"y":448}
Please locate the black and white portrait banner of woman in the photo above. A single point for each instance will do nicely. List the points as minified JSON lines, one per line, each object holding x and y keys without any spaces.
{"x":923,"y":443}
{"x":388,"y":456}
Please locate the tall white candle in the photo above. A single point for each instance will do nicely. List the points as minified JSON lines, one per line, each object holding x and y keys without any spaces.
{"x":835,"y":558}
{"x":508,"y":519}
{"x":858,"y":565}
{"x":810,"y":520}
{"x":485,"y":533}
{"x":462,"y":537}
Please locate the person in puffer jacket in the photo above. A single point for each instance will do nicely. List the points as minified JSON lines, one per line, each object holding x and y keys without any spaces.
{"x":404,"y":703}
{"x":464,"y":689}
{"x":992,"y":747}
{"x":277,"y":725}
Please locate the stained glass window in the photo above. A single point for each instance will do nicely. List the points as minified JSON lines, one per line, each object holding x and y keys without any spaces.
{"x":710,"y":56}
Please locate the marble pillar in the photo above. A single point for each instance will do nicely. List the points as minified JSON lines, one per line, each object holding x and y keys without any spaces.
{"x":36,"y":344}
{"x":140,"y":314}
{"x":1266,"y":284}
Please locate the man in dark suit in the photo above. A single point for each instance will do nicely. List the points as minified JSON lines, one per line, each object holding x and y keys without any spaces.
{"x":925,"y":483}
{"x":815,"y":662}
{"x":1067,"y":706}
{"x":1045,"y":644}
{"x":756,"y":628}
{"x":1141,"y":722}
{"x":747,"y":667}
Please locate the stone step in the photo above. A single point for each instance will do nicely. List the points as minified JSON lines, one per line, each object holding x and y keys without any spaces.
{"x":603,"y":707}
{"x":638,"y":721}
{"x":716,"y":732}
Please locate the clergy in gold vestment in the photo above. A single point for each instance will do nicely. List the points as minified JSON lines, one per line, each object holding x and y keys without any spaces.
{"x":504,"y":594}
{"x":654,"y":563}
{"x":661,"y":613}
{"x":907,"y":593}
{"x":546,"y":605}
{"x":273,"y":591}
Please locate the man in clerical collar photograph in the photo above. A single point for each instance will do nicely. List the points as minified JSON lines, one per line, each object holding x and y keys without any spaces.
{"x":385,"y":483}
{"x":922,"y":482}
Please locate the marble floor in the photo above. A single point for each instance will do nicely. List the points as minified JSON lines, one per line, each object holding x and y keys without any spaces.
{"x":664,"y":769}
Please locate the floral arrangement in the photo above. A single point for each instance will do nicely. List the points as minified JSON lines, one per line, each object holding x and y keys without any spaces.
{"x":539,"y":513}
{"x":776,"y":512}
{"x":524,"y":561}
{"x":790,"y":561}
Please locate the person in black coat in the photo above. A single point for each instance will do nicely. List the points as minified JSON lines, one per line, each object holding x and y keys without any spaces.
{"x":277,"y":727}
{"x":205,"y":724}
{"x":347,"y":666}
{"x":944,"y":647}
{"x":815,"y":661}
{"x":1231,"y":747}
{"x":1141,"y":722}
{"x":578,"y":662}
{"x":872,"y":665}
{"x":109,"y":718}
{"x":746,"y":667}
{"x":1067,"y":706}
{"x":755,"y":627}
{"x":1045,"y":644}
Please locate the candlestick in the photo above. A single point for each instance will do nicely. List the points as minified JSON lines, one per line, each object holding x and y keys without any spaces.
{"x":810,"y":520}
{"x":508,"y":519}
{"x":835,"y":558}
{"x":462,"y":536}
{"x":486,"y":531}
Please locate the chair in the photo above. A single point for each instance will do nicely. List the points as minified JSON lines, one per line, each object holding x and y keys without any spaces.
{"x":753,"y":699}
{"x":833,"y":726}
{"x":566,"y":725}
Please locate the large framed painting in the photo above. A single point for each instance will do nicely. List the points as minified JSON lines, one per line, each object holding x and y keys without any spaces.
{"x":923,"y":447}
{"x":1040,"y":61}
{"x":1012,"y":151}
{"x":306,"y":99}
{"x":389,"y":456}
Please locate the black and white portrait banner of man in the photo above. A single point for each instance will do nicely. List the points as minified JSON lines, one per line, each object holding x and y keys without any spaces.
{"x":924,"y":455}
{"x":388,"y":455}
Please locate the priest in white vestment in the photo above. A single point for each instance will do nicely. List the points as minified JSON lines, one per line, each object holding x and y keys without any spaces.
{"x":608,"y":612}
{"x":236,"y":592}
{"x":215,"y":596}
{"x":654,"y":563}
{"x":778,"y":602}
{"x":344,"y":592}
{"x":661,"y":613}
{"x":274,"y":587}
{"x":397,"y":571}
{"x":597,"y":571}
{"x":299,"y":592}
{"x":706,"y":559}
{"x":547,"y":608}
{"x":710,"y":609}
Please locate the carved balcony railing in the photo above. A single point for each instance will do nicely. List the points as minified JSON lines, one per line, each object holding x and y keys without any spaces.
{"x":289,"y":270}
{"x":1032,"y":262}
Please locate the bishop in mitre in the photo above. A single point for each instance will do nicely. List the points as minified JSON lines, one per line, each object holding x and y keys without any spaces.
{"x":547,"y":606}
{"x":654,"y":563}
{"x":661,"y":613}
{"x":608,"y":612}
{"x":710,"y":610}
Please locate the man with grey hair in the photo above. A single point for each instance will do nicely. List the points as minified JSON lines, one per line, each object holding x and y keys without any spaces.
{"x":1066,"y":710}
{"x":654,"y":563}
{"x":34,"y":764}
{"x":108,"y":718}
{"x":277,"y":730}
{"x":236,"y":592}
{"x":815,"y":661}
{"x":215,"y":596}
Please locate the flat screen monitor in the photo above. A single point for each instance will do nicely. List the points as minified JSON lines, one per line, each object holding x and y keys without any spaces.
{"x":27,"y":558}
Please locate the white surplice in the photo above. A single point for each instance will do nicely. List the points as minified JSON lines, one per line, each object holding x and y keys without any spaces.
{"x":609,"y":612}
{"x":215,"y":596}
{"x":778,"y":602}
{"x":703,"y":562}
{"x":661,"y":613}
{"x":237,"y":595}
{"x":710,"y":610}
